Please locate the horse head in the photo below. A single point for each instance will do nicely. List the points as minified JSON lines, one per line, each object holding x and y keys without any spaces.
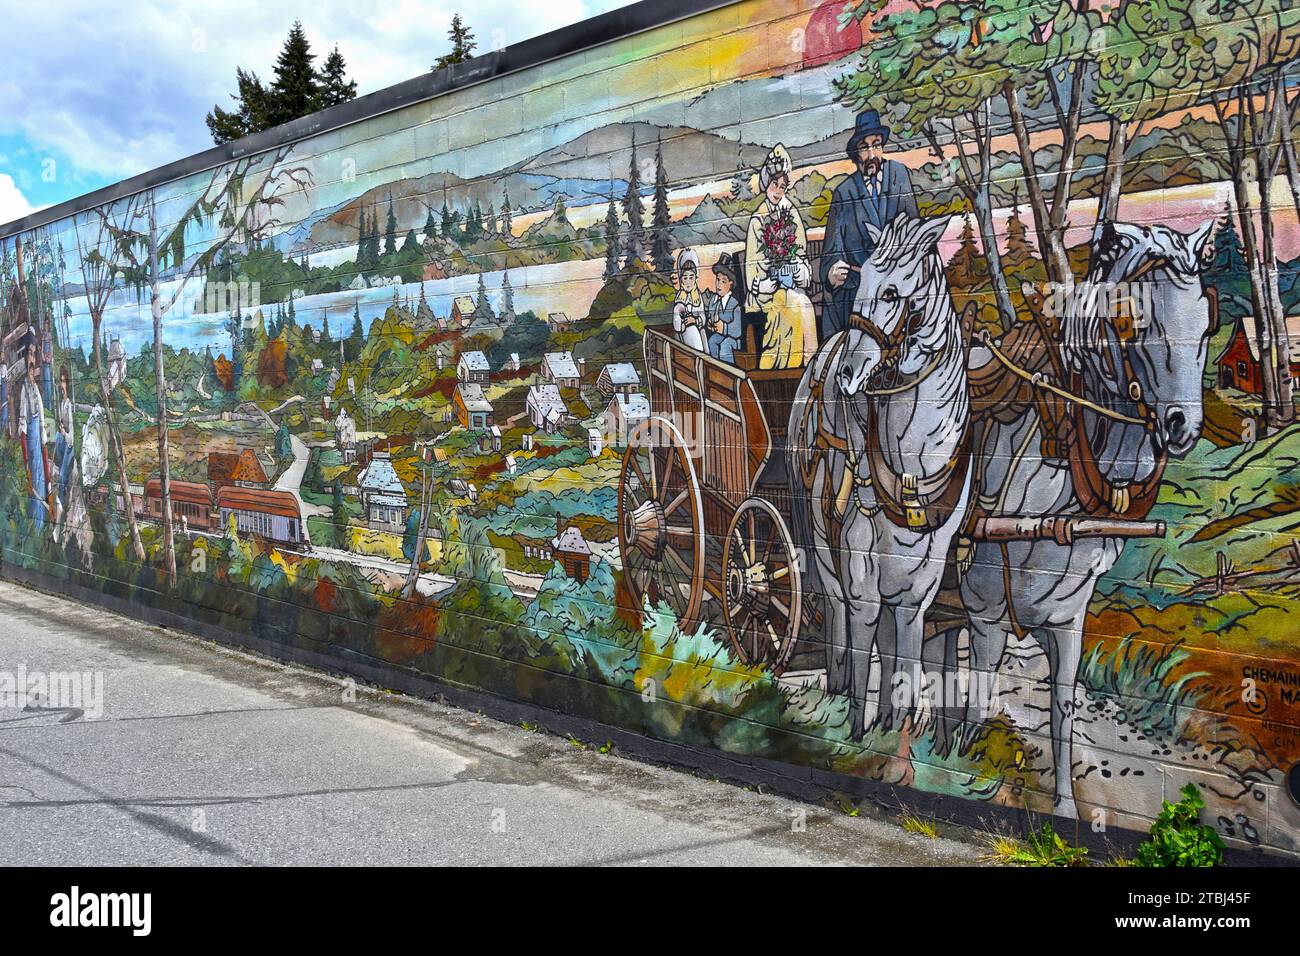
{"x":896,"y":316}
{"x":1137,"y":331}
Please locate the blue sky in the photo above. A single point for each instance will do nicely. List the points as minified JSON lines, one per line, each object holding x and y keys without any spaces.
{"x":94,"y":93}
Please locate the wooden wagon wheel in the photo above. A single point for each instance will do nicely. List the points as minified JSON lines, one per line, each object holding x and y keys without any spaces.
{"x":661,"y":521}
{"x":761,"y":593}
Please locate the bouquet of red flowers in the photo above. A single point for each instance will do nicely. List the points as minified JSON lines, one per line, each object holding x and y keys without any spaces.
{"x":780,"y":237}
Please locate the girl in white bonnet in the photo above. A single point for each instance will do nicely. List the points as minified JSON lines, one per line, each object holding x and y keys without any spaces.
{"x":776,"y":257}
{"x":688,"y":310}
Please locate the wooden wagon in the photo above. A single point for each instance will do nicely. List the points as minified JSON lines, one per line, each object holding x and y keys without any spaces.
{"x":704,"y":527}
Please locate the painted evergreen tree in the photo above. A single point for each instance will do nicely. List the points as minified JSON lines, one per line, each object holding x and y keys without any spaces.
{"x":490,"y":223}
{"x":483,"y":308}
{"x":742,"y":188}
{"x":446,"y":220}
{"x":1020,"y":257}
{"x":430,"y":226}
{"x":1229,"y":252}
{"x":612,"y":251}
{"x":507,"y":214}
{"x":634,"y":245}
{"x":390,"y":230}
{"x":968,"y":267}
{"x":661,"y":240}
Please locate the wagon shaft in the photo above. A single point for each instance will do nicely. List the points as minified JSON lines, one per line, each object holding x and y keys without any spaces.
{"x":1062,"y":530}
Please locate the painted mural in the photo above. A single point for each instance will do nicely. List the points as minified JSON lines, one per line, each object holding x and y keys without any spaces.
{"x":903,"y":391}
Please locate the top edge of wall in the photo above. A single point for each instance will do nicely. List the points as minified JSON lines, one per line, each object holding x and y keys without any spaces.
{"x":584,"y":35}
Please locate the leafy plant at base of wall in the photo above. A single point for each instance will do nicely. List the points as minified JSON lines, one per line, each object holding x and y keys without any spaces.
{"x":1043,"y":847}
{"x":1177,"y":839}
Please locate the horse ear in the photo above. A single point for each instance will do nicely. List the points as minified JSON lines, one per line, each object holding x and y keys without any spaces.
{"x":932,"y":230}
{"x":874,"y":233}
{"x":1197,"y":240}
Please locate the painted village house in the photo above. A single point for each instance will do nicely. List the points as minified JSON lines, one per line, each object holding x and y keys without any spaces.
{"x":273,"y":515}
{"x":571,"y":550}
{"x":618,"y":377}
{"x":546,"y":409}
{"x":462,"y":311}
{"x":623,"y":414}
{"x":238,"y":469}
{"x":560,"y":369}
{"x":557,"y":322}
{"x":382,"y":494}
{"x":1238,"y":364}
{"x":473,"y":367}
{"x":473,"y":410}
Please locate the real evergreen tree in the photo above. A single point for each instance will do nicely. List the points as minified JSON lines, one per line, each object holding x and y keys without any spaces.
{"x":251,"y":114}
{"x":332,"y":84}
{"x":295,"y":91}
{"x":462,"y":45}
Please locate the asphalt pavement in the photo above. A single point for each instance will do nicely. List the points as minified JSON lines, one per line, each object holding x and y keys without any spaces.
{"x":167,"y":749}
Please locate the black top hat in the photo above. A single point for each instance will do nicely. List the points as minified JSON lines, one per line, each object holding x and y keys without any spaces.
{"x":726,"y":265}
{"x":868,"y":124}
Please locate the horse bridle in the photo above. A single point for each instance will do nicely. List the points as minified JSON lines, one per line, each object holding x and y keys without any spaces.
{"x":891,"y":343}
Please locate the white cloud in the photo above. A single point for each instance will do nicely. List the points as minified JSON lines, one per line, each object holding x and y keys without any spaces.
{"x":13,"y":204}
{"x":119,"y":93}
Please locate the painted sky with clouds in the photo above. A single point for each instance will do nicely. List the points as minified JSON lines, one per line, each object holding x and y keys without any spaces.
{"x":93,"y":93}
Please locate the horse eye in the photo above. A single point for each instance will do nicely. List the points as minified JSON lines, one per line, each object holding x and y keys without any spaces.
{"x":889,"y":295}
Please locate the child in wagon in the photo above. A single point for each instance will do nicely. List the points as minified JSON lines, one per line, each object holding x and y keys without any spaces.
{"x":725,"y":318}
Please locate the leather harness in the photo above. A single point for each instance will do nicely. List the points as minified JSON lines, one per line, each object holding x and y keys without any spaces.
{"x":920,"y":504}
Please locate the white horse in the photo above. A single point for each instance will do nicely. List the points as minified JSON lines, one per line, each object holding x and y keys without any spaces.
{"x":1145,"y":362}
{"x":878,"y":449}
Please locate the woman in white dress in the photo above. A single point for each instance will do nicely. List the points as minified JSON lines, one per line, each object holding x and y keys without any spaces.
{"x":688,"y":310}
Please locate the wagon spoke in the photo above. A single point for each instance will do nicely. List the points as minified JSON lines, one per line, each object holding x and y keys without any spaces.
{"x":679,"y":532}
{"x":668,"y":474}
{"x":755,"y":642}
{"x":782,"y":608}
{"x":676,"y":559}
{"x":636,"y":468}
{"x":776,"y":641}
{"x":677,"y":502}
{"x":740,"y":543}
{"x":781,"y":573}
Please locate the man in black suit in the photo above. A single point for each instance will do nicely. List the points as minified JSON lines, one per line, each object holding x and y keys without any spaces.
{"x":878,"y":192}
